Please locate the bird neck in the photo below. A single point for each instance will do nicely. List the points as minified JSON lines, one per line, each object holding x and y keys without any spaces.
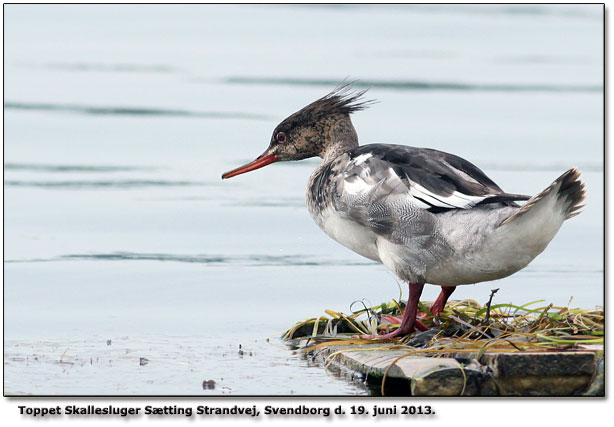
{"x":341,"y":137}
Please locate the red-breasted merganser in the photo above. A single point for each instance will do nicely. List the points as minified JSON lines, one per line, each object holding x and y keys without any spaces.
{"x":429,"y":216}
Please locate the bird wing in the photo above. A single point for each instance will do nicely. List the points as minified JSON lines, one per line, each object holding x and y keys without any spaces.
{"x":428,"y":179}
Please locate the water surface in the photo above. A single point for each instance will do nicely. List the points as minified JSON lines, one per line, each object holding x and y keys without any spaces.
{"x":131,"y":268}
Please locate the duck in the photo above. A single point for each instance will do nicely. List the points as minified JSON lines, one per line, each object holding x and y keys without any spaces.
{"x":429,"y":216}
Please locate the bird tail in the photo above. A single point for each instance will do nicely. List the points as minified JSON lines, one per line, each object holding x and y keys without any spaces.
{"x":557,"y":203}
{"x":528,"y":230}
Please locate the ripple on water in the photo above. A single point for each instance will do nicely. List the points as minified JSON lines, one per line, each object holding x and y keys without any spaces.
{"x":421,"y":85}
{"x":254,"y":260}
{"x":129,"y":111}
{"x":102,"y":184}
{"x":58,"y":168}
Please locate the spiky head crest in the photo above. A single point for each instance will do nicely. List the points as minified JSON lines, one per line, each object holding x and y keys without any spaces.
{"x":343,"y":100}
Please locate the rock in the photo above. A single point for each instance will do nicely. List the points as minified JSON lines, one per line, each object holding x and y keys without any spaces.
{"x":597,"y":385}
{"x":541,"y":374}
{"x":449,"y":379}
{"x":208,"y":384}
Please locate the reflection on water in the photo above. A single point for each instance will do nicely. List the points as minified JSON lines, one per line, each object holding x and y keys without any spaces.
{"x":117,"y":225}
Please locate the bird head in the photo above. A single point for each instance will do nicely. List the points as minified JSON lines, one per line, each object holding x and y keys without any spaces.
{"x":312,"y":131}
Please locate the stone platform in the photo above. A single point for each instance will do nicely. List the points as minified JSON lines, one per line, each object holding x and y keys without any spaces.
{"x":570,"y":372}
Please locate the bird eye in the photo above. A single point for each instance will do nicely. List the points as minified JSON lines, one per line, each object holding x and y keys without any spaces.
{"x":280,"y":137}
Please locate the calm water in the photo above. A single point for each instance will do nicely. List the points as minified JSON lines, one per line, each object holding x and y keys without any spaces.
{"x":122,"y":242}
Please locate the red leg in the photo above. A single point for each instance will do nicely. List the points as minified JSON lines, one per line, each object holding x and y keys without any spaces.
{"x":418,"y":325}
{"x":408,"y":322}
{"x":439,"y":304}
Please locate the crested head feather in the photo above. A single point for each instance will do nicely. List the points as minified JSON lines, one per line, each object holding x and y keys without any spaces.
{"x":343,"y":100}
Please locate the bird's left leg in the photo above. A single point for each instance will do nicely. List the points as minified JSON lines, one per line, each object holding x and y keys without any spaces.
{"x":439,"y":304}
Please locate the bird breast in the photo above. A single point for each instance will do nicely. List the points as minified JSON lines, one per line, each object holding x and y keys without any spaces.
{"x":349,"y":233}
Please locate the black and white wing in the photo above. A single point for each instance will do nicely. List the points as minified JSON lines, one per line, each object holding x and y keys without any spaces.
{"x":428,"y":179}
